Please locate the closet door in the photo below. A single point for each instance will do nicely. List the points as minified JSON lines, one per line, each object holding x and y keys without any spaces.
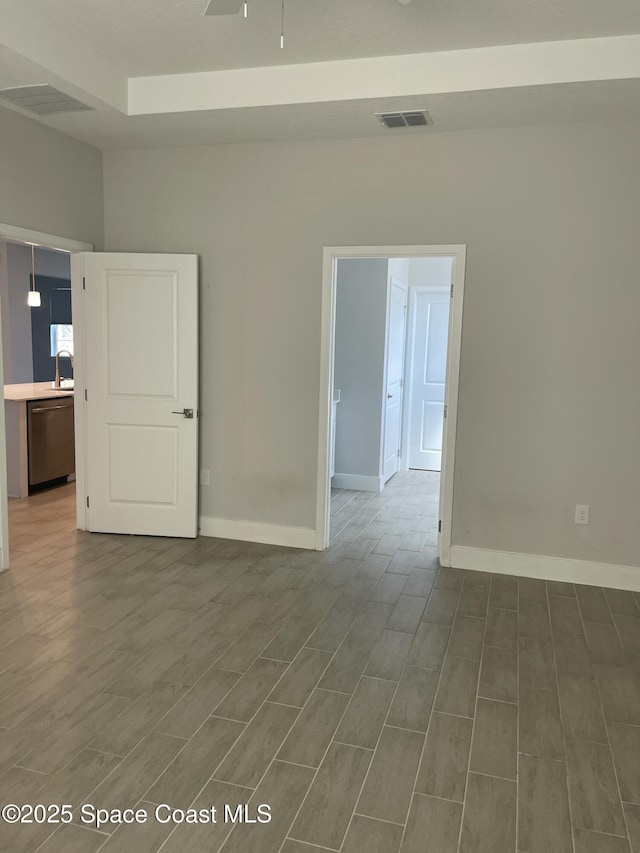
{"x":426,"y":393}
{"x":396,"y":337}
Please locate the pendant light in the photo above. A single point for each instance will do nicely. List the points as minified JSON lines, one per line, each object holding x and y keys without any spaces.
{"x":33,"y":297}
{"x":282,"y":28}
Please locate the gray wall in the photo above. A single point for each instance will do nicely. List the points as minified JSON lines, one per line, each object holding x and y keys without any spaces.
{"x":16,"y":317}
{"x":361,"y":312}
{"x":4,"y":310}
{"x":549,"y":391}
{"x":16,"y":314}
{"x":48,"y":181}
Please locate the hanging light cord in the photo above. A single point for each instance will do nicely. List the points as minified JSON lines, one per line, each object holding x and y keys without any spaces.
{"x":245,"y":9}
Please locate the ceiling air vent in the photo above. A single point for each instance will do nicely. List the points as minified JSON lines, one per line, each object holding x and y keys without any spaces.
{"x":410,"y":118}
{"x":42,"y":100}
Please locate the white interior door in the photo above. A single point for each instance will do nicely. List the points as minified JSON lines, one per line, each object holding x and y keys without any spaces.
{"x":396,"y":336}
{"x":429,"y":322}
{"x":141,"y":376}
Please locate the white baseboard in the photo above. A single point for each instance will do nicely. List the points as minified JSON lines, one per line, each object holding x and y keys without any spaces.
{"x":358,"y":482}
{"x":547,"y":568}
{"x":252,"y":531}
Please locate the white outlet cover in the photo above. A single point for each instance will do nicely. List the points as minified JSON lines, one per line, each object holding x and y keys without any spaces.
{"x":582,"y":514}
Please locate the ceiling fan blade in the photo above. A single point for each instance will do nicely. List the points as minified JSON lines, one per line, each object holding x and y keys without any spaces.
{"x":224,"y":7}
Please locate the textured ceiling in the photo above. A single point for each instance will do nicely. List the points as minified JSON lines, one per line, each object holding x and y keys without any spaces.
{"x":109,"y":129}
{"x":157,"y":37}
{"x":149,"y":37}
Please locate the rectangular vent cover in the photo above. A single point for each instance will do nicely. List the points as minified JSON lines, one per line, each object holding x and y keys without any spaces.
{"x":42,"y":100}
{"x":410,"y":118}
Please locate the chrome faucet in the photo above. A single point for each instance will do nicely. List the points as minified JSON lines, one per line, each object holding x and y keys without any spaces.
{"x":58,"y":354}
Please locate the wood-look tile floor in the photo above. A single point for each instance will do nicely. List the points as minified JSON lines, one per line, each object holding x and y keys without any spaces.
{"x":375,"y":702}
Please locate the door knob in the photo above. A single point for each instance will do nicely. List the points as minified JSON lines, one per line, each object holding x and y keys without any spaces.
{"x":186,"y":413}
{"x":389,"y":396}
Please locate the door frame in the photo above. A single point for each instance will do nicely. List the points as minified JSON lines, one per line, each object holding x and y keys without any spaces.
{"x":49,"y":241}
{"x":410,"y":362}
{"x":331,"y":255}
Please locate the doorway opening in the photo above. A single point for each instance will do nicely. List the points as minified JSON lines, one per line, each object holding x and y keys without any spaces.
{"x":38,"y":479}
{"x":139,"y":316}
{"x":392,"y":322}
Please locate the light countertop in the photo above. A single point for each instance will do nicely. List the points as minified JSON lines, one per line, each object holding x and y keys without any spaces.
{"x":35,"y":391}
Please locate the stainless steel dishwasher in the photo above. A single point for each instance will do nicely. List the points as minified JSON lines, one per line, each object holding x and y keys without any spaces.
{"x":51,"y":440}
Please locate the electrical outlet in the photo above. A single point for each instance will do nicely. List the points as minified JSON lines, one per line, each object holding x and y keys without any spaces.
{"x":204,"y":477}
{"x":582,"y":514}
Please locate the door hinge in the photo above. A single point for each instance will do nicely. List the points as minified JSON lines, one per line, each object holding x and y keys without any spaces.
{"x":445,"y":411}
{"x":440,"y":527}
{"x":87,"y":501}
{"x":86,"y":396}
{"x":84,"y":283}
{"x":452,"y":291}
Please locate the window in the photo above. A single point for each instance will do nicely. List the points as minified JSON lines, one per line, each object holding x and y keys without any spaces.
{"x":61,"y":337}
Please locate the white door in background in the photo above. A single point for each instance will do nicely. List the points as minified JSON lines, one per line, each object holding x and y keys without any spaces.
{"x":396,"y":337}
{"x":429,"y":328}
{"x":141,"y":375}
